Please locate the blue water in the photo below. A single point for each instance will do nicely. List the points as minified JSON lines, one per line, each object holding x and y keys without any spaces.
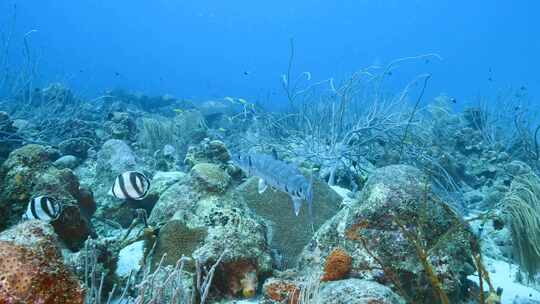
{"x":203,"y":49}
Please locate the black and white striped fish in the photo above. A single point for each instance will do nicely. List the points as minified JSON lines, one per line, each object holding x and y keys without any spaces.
{"x":131,"y":185}
{"x":42,"y":208}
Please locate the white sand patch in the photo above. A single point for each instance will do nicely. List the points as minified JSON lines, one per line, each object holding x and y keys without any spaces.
{"x":130,"y":259}
{"x":502,"y":275}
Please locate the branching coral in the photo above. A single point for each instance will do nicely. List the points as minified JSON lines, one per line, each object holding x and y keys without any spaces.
{"x":522,"y":206}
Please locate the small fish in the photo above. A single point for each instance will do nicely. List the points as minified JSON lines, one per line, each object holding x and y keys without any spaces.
{"x":43,"y":208}
{"x":453,"y":100}
{"x":280,"y":175}
{"x":179,"y":111}
{"x":116,"y":74}
{"x":130,"y":185}
{"x":230,"y":99}
{"x":242,"y":101}
{"x":222,"y":130}
{"x":246,"y":73}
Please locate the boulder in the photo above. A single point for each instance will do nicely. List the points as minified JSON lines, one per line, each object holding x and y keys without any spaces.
{"x":356,"y":291}
{"x":177,"y":198}
{"x":394,"y":222}
{"x":66,"y":162}
{"x":77,"y":146}
{"x":207,"y":151}
{"x":210,"y":177}
{"x":114,"y":158}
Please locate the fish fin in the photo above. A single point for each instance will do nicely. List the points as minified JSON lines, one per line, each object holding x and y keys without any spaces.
{"x":262,"y":185}
{"x":274,"y":154}
{"x":297,"y":203}
{"x":311,"y":218}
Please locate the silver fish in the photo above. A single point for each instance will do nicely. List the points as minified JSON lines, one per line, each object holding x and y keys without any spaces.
{"x":279,"y":175}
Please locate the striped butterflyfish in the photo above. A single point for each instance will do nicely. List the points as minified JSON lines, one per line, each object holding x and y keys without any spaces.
{"x":42,"y":208}
{"x":131,"y":185}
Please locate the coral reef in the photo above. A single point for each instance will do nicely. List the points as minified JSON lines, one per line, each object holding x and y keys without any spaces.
{"x":407,"y":202}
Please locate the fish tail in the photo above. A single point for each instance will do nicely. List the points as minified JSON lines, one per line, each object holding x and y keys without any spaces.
{"x":310,"y":211}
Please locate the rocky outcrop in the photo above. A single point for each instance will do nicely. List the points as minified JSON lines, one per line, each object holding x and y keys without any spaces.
{"x":208,"y":224}
{"x":355,"y":291}
{"x":210,"y":177}
{"x":399,"y":223}
{"x":208,"y":151}
{"x":115,"y":157}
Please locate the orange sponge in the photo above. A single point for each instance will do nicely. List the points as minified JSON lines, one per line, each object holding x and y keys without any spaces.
{"x":338,"y":265}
